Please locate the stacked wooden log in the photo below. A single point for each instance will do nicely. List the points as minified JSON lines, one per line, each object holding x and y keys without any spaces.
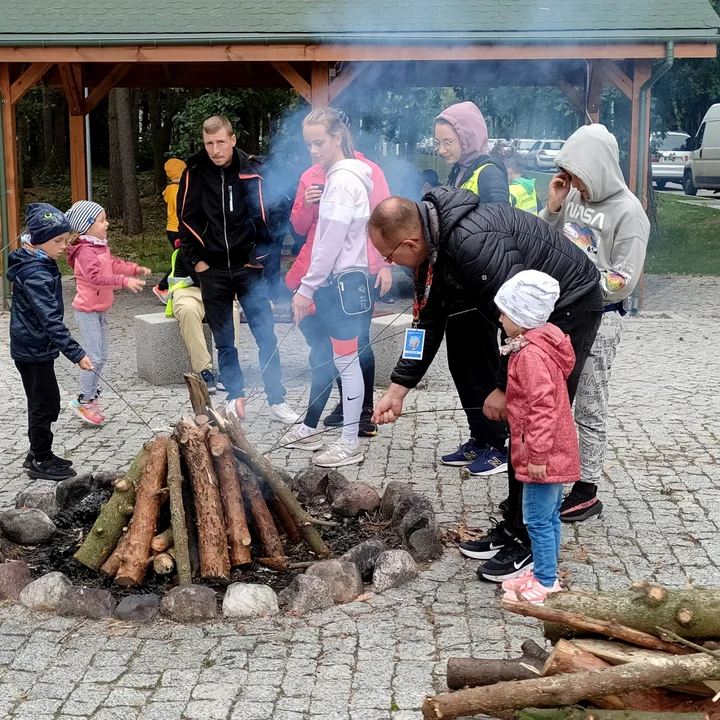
{"x":661,"y":661}
{"x":216,"y":495}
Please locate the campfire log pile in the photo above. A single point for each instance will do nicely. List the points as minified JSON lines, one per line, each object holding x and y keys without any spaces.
{"x":211,"y":478}
{"x":662,"y":661}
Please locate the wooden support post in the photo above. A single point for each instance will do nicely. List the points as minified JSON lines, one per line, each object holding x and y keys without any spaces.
{"x":320,"y":84}
{"x":594,"y":93}
{"x":643,"y":70}
{"x":28,"y":79}
{"x":615,"y":76}
{"x":72,"y":80}
{"x":11,"y":158}
{"x":301,"y":85}
{"x":101,"y":90}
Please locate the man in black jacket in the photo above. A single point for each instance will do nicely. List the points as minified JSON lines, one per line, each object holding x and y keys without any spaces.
{"x":225,"y":238}
{"x":461,"y":248}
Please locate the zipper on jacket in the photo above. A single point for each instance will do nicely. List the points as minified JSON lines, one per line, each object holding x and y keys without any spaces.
{"x":227,"y":246}
{"x":230,"y":194}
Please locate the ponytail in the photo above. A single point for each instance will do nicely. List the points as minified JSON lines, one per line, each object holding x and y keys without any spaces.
{"x":331,"y":120}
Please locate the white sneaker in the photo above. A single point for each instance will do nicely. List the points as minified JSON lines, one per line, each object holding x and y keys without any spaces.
{"x":295,"y":438}
{"x":339,"y":454}
{"x":283,"y":413}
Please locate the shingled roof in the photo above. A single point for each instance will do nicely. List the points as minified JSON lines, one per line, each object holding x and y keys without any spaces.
{"x":93,"y":22}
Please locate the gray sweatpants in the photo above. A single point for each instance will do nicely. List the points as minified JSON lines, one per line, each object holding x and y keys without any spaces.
{"x":591,"y":401}
{"x":95,"y":342}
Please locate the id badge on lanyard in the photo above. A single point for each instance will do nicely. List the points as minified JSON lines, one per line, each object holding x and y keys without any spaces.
{"x":414,"y":344}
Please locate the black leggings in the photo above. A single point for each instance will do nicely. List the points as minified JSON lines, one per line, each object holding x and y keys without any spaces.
{"x":43,"y":403}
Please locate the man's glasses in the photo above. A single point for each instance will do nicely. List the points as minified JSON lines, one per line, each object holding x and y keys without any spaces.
{"x":388,"y":258}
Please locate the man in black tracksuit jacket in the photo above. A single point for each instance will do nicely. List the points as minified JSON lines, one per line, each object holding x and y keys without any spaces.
{"x":224,"y":237}
{"x":473,"y":249}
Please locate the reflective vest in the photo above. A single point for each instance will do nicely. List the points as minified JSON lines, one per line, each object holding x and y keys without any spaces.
{"x":473,"y":184}
{"x":174,"y":284}
{"x":521,"y":199}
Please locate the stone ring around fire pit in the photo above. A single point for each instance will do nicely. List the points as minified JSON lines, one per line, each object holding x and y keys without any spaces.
{"x":40,"y":535}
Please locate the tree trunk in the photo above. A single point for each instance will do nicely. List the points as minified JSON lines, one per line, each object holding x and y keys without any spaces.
{"x":469,"y":672}
{"x":570,"y":689}
{"x":693,"y":613}
{"x":116,"y":194}
{"x":112,"y":564}
{"x":177,"y":514}
{"x":48,"y":135}
{"x":575,"y":622}
{"x":261,"y":515}
{"x":238,"y":534}
{"x":105,"y":533}
{"x":567,"y":658}
{"x":210,"y":522}
{"x":61,"y":156}
{"x":199,"y":394}
{"x":159,"y":138}
{"x":143,"y":527}
{"x":161,"y":542}
{"x":128,"y":166}
{"x":578,"y":713}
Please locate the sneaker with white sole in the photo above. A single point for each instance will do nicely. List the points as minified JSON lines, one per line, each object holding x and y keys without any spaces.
{"x":299,"y":438}
{"x":232,"y":410}
{"x":533,"y":591}
{"x":519,"y":582}
{"x":491,"y":462}
{"x":282,"y":412}
{"x":490,"y":544}
{"x":511,"y":562}
{"x":87,"y":412}
{"x":339,"y":454}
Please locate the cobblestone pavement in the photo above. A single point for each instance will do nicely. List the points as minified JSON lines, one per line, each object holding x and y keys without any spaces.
{"x":375,"y":660}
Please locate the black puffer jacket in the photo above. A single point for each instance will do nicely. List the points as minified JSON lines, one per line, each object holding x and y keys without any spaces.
{"x":478,"y":248}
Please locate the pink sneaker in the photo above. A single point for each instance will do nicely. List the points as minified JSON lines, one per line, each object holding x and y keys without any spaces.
{"x":519,"y":582}
{"x":88,"y":412}
{"x":533,"y":591}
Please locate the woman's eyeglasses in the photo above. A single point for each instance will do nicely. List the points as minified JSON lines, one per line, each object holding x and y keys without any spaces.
{"x":447,"y":144}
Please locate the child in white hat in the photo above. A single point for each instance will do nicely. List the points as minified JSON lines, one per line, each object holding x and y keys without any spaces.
{"x":543,"y":441}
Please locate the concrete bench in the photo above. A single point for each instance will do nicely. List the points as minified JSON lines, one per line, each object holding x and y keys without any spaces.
{"x":162,"y":357}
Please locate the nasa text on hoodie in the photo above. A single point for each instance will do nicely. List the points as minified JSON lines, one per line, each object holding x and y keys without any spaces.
{"x":611,"y":225}
{"x":341,"y":237}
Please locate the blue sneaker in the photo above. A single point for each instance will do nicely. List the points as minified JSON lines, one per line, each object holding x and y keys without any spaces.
{"x":491,"y":462}
{"x":467,"y":453}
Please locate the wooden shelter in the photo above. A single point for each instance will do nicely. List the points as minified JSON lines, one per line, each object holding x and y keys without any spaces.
{"x":322,"y":48}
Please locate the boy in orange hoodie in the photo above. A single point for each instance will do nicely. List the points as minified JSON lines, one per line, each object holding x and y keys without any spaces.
{"x":173,"y":169}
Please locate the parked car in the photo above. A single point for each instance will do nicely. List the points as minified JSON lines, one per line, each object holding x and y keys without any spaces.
{"x":426,"y":146}
{"x":702,"y":169}
{"x":523,"y":146}
{"x":668,"y":156}
{"x":542,"y":154}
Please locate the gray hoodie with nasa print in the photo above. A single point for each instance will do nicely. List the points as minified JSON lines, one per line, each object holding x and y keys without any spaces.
{"x":609,"y":224}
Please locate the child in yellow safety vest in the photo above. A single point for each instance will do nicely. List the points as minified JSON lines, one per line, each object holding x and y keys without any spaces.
{"x":522,"y":190}
{"x":173,"y":169}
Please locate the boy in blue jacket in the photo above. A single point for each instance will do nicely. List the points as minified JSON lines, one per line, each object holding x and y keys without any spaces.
{"x":38,"y":333}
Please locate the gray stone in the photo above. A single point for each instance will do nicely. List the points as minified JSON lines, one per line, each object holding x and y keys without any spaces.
{"x":27,"y":527}
{"x":160,"y":353}
{"x":402,"y":507}
{"x":310,"y":484}
{"x":244,"y":600}
{"x":73,"y":490}
{"x":137,"y":608}
{"x":425,"y":545}
{"x":305,"y":593}
{"x":392,"y":569}
{"x":94,"y":603}
{"x":358,"y":497}
{"x":188,"y":603}
{"x":394,"y":491}
{"x":46,"y":592}
{"x":342,"y":578}
{"x":14,"y":576}
{"x":420,"y":516}
{"x":105,"y":479}
{"x":365,"y":555}
{"x":337,"y":483}
{"x":39,"y":497}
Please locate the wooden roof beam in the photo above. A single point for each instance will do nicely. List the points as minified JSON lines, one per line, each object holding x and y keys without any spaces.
{"x":301,"y":85}
{"x":615,"y":76}
{"x":100,"y":91}
{"x":28,"y":79}
{"x":576,"y":97}
{"x":349,"y":74}
{"x":71,"y":75}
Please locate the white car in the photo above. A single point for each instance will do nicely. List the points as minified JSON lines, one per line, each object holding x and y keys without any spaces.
{"x":702,"y":169}
{"x":668,"y":156}
{"x":542,"y":154}
{"x":523,"y":146}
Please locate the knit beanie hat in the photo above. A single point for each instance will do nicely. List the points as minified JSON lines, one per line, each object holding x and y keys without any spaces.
{"x":528,"y":298}
{"x":174,"y":169}
{"x":45,"y":222}
{"x":83,"y":215}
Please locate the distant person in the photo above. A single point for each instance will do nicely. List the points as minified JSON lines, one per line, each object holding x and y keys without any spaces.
{"x":591,"y":204}
{"x":38,"y":333}
{"x":97,"y":274}
{"x":173,"y":169}
{"x":304,"y":219}
{"x":461,"y":139}
{"x":542,"y":432}
{"x":522,"y":189}
{"x":225,"y":240}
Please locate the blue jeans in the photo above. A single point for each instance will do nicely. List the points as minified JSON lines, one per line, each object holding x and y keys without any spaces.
{"x":541,"y":512}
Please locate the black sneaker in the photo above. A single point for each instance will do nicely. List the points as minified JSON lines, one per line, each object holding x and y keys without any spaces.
{"x":509,"y":563}
{"x":27,"y":464}
{"x":367,"y":428}
{"x":335,"y":418}
{"x":580,"y":503}
{"x":504,"y":505}
{"x":489,"y":545}
{"x":50,"y":469}
{"x":209,"y":379}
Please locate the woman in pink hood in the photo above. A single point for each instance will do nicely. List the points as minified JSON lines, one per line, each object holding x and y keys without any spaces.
{"x":97,"y":274}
